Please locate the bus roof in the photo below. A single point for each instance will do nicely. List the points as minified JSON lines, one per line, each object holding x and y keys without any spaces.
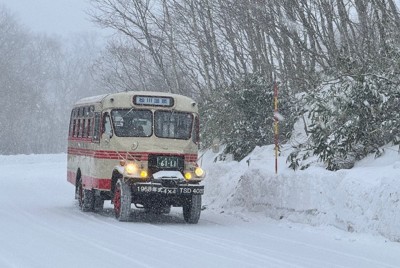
{"x":91,"y":100}
{"x":125,"y":99}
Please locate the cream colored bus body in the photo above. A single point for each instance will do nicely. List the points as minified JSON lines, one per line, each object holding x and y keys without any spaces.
{"x":94,"y":162}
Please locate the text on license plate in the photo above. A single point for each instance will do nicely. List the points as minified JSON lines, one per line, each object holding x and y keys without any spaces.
{"x":167,"y":162}
{"x":165,"y":190}
{"x":161,"y":190}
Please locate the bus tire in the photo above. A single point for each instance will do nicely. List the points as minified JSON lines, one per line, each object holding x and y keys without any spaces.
{"x":122,"y":200}
{"x":85,"y":198}
{"x":98,"y":204}
{"x":192,"y":209}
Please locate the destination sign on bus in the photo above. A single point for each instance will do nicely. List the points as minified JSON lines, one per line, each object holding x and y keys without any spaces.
{"x":153,"y":101}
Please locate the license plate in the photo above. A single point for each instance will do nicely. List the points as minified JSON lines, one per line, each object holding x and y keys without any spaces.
{"x":167,"y":162}
{"x":156,"y":189}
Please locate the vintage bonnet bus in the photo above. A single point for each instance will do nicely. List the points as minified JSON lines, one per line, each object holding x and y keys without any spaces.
{"x":136,"y":148}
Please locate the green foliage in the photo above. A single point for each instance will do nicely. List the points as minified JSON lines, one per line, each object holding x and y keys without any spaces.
{"x":352,"y":118}
{"x":241,"y":116}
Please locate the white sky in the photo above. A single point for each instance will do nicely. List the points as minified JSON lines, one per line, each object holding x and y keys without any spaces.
{"x":60,"y":17}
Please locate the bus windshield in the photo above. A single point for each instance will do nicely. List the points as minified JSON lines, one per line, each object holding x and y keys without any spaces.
{"x":132,"y":123}
{"x":139,"y":123}
{"x":171,"y":124}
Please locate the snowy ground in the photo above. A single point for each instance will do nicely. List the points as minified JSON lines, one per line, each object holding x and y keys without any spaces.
{"x":362,"y":199}
{"x":253,"y":218}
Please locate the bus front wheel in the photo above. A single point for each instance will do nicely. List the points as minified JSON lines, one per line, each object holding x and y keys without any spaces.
{"x":192,"y":209}
{"x":122,"y":200}
{"x":85,"y":198}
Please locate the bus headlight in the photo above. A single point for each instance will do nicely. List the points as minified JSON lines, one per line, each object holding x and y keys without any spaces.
{"x":130,"y":168}
{"x":199,"y":172}
{"x":143,"y":174}
{"x":188,"y":175}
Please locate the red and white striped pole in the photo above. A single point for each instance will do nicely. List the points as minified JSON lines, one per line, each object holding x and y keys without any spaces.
{"x":276,"y":127}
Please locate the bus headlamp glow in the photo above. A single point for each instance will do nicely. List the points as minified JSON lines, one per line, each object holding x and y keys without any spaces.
{"x":143,"y":174}
{"x":199,"y":172}
{"x":188,"y":175}
{"x":130,"y":168}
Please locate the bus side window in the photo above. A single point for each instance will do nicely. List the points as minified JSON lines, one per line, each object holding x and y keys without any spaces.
{"x":107,"y":125}
{"x":196,"y":131}
{"x":83,"y":131}
{"x":89,"y":128}
{"x":78,"y":128}
{"x":71,"y":124}
{"x":74,"y":128}
{"x":96,"y":129}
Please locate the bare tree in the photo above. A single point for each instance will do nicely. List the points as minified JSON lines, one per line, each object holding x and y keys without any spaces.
{"x":40,"y":79}
{"x":138,"y":20}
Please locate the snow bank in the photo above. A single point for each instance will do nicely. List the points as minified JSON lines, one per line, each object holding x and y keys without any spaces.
{"x":362,"y":199}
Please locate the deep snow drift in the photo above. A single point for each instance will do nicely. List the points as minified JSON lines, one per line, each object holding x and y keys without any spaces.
{"x":362,"y":199}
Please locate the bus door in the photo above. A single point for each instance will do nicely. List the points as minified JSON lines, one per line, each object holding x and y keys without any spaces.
{"x":107,"y":132}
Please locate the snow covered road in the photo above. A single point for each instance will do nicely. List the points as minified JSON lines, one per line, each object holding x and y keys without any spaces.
{"x":42,"y":226}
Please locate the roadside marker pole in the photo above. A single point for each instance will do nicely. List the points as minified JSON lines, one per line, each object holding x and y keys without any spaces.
{"x":276,"y":127}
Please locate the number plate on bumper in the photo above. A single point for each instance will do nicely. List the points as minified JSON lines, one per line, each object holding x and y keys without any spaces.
{"x":167,"y":162}
{"x":148,"y":188}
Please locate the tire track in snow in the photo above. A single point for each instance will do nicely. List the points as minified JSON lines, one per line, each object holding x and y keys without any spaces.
{"x":92,"y":241}
{"x":328,"y":250}
{"x":246,"y":251}
{"x":178,"y":247}
{"x":249,"y":252}
{"x":241,"y":253}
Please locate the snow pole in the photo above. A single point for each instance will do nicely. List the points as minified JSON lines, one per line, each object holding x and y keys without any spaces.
{"x":276,"y":127}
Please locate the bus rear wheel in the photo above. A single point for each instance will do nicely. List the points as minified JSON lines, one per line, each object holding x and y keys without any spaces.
{"x":122,"y":200}
{"x":85,"y":198}
{"x":98,"y":204}
{"x":192,"y":209}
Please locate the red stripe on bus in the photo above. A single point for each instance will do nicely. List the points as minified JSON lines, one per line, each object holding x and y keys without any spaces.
{"x":117,"y":155}
{"x":71,"y":177}
{"x":96,"y":183}
{"x":90,"y":182}
{"x":120,"y":155}
{"x":80,"y":139}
